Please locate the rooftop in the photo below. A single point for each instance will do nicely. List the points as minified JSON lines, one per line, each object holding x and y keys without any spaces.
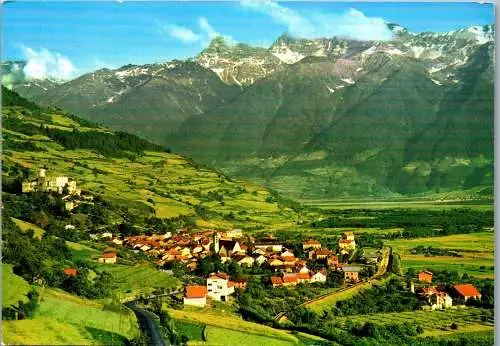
{"x":467,"y":290}
{"x":196,"y":291}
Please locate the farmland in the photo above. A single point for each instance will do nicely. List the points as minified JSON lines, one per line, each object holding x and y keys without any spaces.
{"x":435,"y":323}
{"x":131,"y":281}
{"x":476,"y":250}
{"x":452,"y":200}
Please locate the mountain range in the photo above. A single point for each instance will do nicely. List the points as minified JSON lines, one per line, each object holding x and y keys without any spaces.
{"x":313,"y":119}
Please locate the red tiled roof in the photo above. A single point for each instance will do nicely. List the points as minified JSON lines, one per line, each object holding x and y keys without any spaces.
{"x":467,"y":290}
{"x":345,"y":241}
{"x":223,"y":276}
{"x":70,"y":271}
{"x":429,"y":290}
{"x":230,"y":284}
{"x":290,"y":277}
{"x":276,"y":280}
{"x":288,"y":258}
{"x":303,"y":276}
{"x":426,"y":272}
{"x":311,"y":242}
{"x":196,"y":291}
{"x":324,"y":252}
{"x":109,"y":255}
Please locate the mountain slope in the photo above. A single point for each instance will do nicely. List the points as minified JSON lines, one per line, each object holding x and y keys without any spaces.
{"x":315,"y":118}
{"x":151,"y":100}
{"x":131,"y":172}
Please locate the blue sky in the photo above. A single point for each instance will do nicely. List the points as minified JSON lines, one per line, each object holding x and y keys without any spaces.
{"x":66,"y":39}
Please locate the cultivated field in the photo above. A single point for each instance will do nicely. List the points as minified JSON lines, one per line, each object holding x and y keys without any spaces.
{"x":477,"y":250}
{"x":435,"y":323}
{"x":437,"y":202}
{"x":157,"y":184}
{"x":131,"y":281}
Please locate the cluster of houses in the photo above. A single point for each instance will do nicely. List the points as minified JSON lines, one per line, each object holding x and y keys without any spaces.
{"x":60,"y":185}
{"x":440,"y":297}
{"x":218,"y":287}
{"x":231,"y":245}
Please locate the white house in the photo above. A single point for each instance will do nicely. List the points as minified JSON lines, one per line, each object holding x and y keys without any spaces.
{"x":261,"y":259}
{"x":218,"y":287}
{"x":195,"y":296}
{"x":304,"y":269}
{"x":234,"y":233}
{"x":319,"y":276}
{"x":440,"y":300}
{"x":245,"y":260}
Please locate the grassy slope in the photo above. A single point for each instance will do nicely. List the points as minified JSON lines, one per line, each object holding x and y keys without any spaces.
{"x":24,"y":226}
{"x":65,"y":319}
{"x":219,"y":323}
{"x":14,"y":288}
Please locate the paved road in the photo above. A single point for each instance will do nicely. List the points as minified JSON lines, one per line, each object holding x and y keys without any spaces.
{"x":148,"y":326}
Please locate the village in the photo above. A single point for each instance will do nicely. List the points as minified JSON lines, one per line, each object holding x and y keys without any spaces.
{"x":282,"y":266}
{"x":269,"y":253}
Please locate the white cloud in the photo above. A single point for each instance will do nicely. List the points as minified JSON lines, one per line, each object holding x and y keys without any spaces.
{"x":181,"y":33}
{"x":188,"y":36}
{"x":207,"y":28}
{"x":45,"y":64}
{"x":350,"y":24}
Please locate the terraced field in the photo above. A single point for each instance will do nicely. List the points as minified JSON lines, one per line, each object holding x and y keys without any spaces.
{"x":154,"y":183}
{"x":435,"y":323}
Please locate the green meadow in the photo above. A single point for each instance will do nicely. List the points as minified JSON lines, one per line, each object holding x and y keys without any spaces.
{"x":476,"y":249}
{"x":14,"y":288}
{"x":65,"y":319}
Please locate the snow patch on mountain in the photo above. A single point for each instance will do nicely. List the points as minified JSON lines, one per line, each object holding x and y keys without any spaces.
{"x":436,"y":82}
{"x":330,"y":89}
{"x":417,"y":51}
{"x":347,"y":80}
{"x":288,"y":56}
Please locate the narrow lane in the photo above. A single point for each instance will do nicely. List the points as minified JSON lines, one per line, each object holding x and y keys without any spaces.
{"x":148,"y":326}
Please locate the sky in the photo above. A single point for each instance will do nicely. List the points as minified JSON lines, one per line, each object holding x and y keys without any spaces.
{"x":66,"y":39}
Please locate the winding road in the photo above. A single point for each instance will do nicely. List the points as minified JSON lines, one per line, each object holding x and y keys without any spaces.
{"x":148,"y":325}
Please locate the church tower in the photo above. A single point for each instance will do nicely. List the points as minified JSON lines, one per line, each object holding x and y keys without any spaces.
{"x":216,"y":242}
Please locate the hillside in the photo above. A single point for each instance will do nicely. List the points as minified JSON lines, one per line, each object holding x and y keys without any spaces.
{"x":128,"y":171}
{"x":315,"y":119}
{"x":137,"y":188}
